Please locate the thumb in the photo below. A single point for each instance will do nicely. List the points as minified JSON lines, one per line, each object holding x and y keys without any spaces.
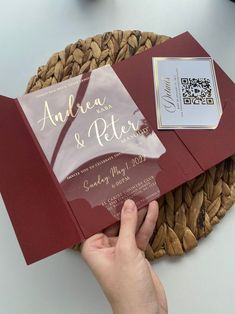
{"x":128,"y":225}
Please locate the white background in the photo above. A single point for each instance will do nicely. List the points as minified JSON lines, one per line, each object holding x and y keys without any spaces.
{"x":30,"y":31}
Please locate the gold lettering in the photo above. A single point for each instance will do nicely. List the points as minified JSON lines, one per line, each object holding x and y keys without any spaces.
{"x":80,"y":142}
{"x":98,"y":133}
{"x":100,"y":180}
{"x":47,"y":115}
{"x":103,"y":109}
{"x":167,"y":96}
{"x":110,"y":131}
{"x":59,"y":117}
{"x":115,"y":171}
{"x":70,"y":112}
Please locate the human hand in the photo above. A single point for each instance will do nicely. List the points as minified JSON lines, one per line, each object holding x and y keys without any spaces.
{"x":119,"y":264}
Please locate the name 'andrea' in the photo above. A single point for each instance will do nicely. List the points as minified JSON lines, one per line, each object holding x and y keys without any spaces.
{"x":72,"y":111}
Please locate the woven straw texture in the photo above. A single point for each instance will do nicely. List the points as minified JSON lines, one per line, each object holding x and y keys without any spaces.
{"x":189,"y":212}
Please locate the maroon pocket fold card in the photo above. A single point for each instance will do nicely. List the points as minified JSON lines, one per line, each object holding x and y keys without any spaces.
{"x":73,"y":152}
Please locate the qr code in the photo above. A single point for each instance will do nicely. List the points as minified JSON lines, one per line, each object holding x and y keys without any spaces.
{"x":196,"y":91}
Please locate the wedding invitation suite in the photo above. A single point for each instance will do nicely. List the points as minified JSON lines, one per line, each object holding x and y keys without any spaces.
{"x":73,"y":152}
{"x":186,"y":93}
{"x":96,"y":140}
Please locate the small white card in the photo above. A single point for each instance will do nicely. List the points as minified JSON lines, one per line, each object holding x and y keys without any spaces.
{"x":186,"y":92}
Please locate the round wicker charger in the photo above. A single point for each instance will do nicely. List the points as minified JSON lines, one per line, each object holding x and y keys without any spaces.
{"x":187,"y":213}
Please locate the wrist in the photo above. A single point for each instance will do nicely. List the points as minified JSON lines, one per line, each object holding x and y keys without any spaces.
{"x":137,"y":309}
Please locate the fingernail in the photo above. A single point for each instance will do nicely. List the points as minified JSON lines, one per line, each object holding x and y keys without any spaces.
{"x":129,"y":206}
{"x":154,"y":202}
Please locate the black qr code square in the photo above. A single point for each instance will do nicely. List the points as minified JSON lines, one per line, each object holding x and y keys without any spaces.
{"x":196,"y":91}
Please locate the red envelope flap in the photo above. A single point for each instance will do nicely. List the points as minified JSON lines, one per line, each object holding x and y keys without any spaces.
{"x":209,"y":147}
{"x":177,"y":164}
{"x":197,"y":148}
{"x":38,"y":210}
{"x":212,"y":146}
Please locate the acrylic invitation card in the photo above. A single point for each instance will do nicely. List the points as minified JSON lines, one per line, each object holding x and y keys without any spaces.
{"x":99,"y":145}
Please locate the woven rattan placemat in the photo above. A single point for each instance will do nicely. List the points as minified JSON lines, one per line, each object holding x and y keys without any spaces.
{"x":187,"y":213}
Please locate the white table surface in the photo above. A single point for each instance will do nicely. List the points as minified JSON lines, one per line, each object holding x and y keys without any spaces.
{"x":30,"y":31}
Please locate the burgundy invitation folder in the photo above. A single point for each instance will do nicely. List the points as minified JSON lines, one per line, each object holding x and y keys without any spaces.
{"x":44,"y":220}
